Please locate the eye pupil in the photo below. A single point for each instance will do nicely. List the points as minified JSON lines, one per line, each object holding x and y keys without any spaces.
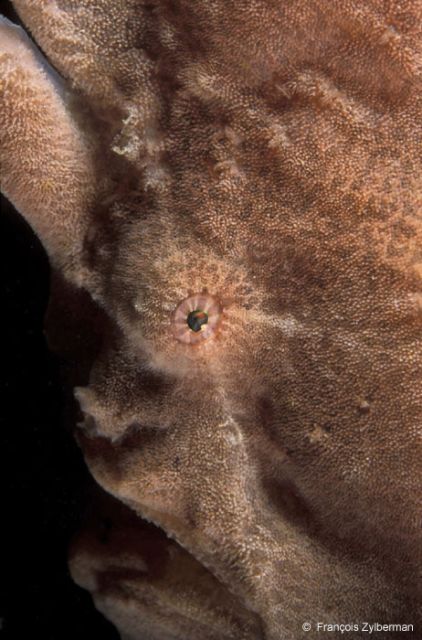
{"x":196,"y":319}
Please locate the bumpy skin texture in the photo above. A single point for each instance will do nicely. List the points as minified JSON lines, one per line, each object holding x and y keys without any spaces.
{"x":269,"y":152}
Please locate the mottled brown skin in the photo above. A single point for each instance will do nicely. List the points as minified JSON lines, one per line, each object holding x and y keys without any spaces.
{"x":270,"y":152}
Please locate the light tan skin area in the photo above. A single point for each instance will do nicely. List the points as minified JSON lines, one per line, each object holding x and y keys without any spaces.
{"x":269,"y":152}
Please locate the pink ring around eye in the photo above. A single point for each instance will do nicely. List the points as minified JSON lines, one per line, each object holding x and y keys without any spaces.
{"x":204,"y":304}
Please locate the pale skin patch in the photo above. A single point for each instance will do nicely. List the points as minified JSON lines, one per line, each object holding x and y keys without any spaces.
{"x":317,"y":435}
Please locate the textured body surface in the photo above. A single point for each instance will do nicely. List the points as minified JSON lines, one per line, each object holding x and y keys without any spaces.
{"x":267,"y":154}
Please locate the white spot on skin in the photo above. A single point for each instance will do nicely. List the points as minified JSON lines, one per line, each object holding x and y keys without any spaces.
{"x":364,"y":406}
{"x":155,"y":177}
{"x":231,"y":432}
{"x":229,"y":169}
{"x":288,"y":324}
{"x":318,"y":435}
{"x":279,"y":138}
{"x":139,"y":303}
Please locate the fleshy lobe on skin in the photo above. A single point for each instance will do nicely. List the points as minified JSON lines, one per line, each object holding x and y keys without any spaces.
{"x":43,"y":149}
{"x":267,"y":153}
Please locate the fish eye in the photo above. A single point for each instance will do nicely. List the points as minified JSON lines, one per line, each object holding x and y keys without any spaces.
{"x":196,"y":318}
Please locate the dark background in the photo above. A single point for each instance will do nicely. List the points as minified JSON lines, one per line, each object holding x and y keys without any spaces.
{"x":44,"y":480}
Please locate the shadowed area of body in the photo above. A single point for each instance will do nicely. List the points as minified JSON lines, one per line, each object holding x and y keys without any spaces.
{"x":265,"y":156}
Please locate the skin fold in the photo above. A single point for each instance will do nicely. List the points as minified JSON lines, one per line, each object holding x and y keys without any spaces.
{"x":266,"y":154}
